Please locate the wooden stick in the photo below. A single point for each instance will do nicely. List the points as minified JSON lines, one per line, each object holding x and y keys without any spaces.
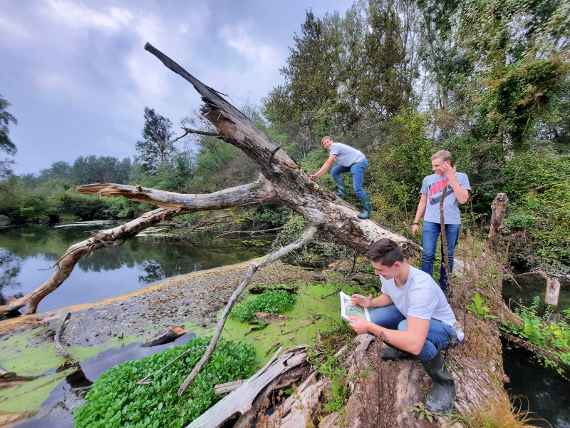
{"x":308,"y":235}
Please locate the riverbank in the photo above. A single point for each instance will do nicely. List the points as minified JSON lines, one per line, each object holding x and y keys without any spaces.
{"x":191,"y":300}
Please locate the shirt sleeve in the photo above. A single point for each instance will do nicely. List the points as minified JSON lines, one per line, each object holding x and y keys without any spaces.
{"x":465,"y":181}
{"x":422,"y":302}
{"x":424,"y":188}
{"x":335,"y":149}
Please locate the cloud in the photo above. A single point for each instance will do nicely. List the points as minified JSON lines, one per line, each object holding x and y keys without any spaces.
{"x":254,"y":51}
{"x":78,"y":15}
{"x":11,"y":30}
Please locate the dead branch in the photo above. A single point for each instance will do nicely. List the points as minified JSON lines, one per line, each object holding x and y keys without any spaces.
{"x":307,"y":236}
{"x":188,"y":131}
{"x":260,"y":191}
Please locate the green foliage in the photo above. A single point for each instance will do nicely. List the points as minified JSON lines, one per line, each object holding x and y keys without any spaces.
{"x":322,"y":357}
{"x":398,"y":165}
{"x":156,"y":148}
{"x":117,"y":400}
{"x":537,"y":328}
{"x":539,"y":190}
{"x":6,"y":118}
{"x":317,"y":252}
{"x":271,"y":301}
{"x":520,"y":96}
{"x":479,"y":307}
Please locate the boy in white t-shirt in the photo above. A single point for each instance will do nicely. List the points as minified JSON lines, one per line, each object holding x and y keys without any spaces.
{"x":410,"y":315}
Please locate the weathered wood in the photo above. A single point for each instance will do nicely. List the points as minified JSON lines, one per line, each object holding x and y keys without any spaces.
{"x":498,"y":212}
{"x":224,"y":388}
{"x":254,"y":267}
{"x":170,"y":335}
{"x":60,"y":349}
{"x":240,"y":401}
{"x":552,"y":291}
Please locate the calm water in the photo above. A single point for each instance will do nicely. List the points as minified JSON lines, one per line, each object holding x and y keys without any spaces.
{"x":537,"y":389}
{"x":28,"y":254}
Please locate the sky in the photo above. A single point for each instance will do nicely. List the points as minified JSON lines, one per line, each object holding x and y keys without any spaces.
{"x":78,"y":78}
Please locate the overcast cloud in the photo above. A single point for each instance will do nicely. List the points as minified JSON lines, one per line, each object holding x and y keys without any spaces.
{"x":78,"y":78}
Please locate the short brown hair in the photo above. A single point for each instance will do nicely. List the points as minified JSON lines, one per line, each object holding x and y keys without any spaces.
{"x":326,"y":137}
{"x":385,"y":251}
{"x":445,"y":156}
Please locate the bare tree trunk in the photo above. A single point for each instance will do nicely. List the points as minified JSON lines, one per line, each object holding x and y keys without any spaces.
{"x":498,"y":212}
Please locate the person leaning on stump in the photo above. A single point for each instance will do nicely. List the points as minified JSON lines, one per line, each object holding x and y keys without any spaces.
{"x":413,"y":318}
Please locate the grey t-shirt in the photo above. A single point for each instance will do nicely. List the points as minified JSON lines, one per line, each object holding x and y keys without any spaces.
{"x":433,"y":187}
{"x":420,"y":297}
{"x":346,"y":155}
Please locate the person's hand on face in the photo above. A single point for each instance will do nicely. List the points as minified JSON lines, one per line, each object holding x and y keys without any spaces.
{"x":359,"y":325}
{"x":448,"y":170}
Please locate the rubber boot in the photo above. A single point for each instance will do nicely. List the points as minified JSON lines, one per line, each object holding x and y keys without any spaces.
{"x":390,"y":353}
{"x":442,"y":395}
{"x":366,"y":207}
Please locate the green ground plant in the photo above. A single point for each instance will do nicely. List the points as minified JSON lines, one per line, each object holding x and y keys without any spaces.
{"x":479,"y":307}
{"x":117,"y":400}
{"x":270,"y":301}
{"x":539,"y":330}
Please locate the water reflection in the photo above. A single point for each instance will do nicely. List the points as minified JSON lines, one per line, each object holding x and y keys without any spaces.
{"x":27,"y":257}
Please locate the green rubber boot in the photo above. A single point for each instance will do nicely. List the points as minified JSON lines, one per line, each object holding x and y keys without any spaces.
{"x":366,"y":207}
{"x":442,"y":395}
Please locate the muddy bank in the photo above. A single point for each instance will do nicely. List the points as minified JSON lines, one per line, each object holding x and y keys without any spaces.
{"x":192,"y":298}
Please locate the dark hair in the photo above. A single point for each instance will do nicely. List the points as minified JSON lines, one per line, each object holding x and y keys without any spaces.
{"x":385,"y":251}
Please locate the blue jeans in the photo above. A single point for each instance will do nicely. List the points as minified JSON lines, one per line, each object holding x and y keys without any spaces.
{"x":440,"y":335}
{"x":357,"y":170}
{"x":429,"y":243}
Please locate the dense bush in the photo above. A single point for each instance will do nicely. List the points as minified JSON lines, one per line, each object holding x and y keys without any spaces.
{"x":271,"y":301}
{"x":117,"y":400}
{"x":538,"y":185}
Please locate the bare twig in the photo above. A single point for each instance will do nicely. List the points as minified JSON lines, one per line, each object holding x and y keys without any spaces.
{"x":195,"y":131}
{"x":254,"y":267}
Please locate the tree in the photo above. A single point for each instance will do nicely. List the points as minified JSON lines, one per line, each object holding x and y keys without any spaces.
{"x":6,"y":144}
{"x":157,"y":148}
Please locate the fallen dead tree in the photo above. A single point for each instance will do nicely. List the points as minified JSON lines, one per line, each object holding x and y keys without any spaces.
{"x":476,"y":363}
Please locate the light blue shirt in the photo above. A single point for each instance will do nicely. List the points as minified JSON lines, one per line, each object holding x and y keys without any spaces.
{"x":433,"y":186}
{"x":346,"y":155}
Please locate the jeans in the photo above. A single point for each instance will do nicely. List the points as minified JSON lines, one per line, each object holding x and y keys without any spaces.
{"x":357,"y":170}
{"x":440,"y":335}
{"x":429,"y":242}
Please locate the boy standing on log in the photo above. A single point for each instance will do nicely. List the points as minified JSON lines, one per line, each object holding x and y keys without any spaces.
{"x":346,"y":159}
{"x":412,"y":316}
{"x":454,"y":187}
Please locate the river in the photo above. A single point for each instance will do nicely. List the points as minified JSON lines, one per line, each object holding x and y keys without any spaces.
{"x":28,"y":254}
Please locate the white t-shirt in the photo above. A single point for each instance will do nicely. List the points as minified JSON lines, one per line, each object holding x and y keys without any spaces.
{"x":420,"y":297}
